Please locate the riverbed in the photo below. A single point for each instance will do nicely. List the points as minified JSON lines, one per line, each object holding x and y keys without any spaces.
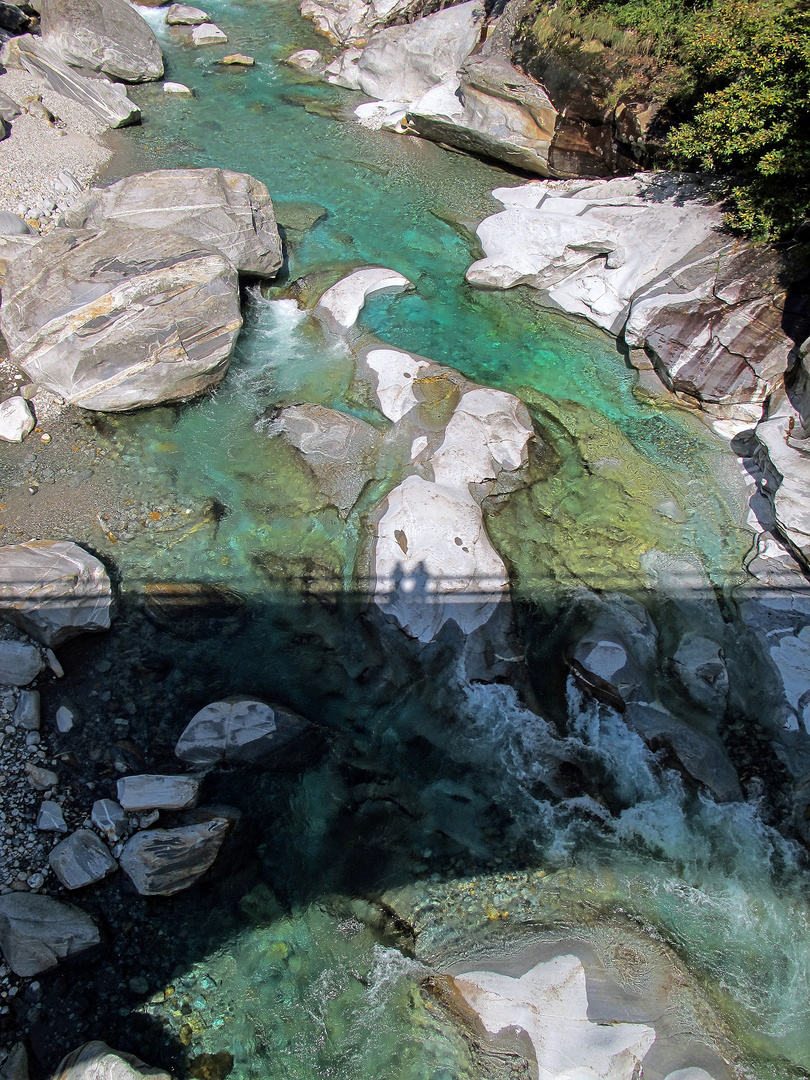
{"x":423,"y":835}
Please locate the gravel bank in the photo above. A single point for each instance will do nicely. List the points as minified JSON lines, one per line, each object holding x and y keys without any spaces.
{"x":36,"y":151}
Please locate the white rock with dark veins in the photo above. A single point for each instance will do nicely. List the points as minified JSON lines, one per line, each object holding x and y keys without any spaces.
{"x":110,"y":818}
{"x":54,"y":590}
{"x":102,"y":35}
{"x":50,"y":817}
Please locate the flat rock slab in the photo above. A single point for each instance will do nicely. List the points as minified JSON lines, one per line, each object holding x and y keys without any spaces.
{"x":36,"y":932}
{"x":54,"y":590}
{"x":340,"y":306}
{"x":20,"y":663}
{"x":121,"y":318}
{"x":149,"y":792}
{"x":339,"y":449}
{"x":16,"y":419}
{"x":102,"y":35}
{"x":239,"y":731}
{"x":107,"y":101}
{"x":82,"y":859}
{"x":225,"y":210}
{"x":27,"y":713}
{"x":162,"y":862}
{"x":96,"y":1061}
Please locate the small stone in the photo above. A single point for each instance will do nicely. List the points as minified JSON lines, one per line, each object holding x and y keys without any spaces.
{"x":110,"y":819}
{"x":19,"y":663}
{"x":208,"y":34}
{"x":139,"y":985}
{"x":50,"y":818}
{"x":146,"y":821}
{"x":45,"y":437}
{"x":81,"y":860}
{"x":54,"y":664}
{"x":27,"y":713}
{"x":41,"y":779}
{"x":238,"y":58}
{"x":65,"y":718}
{"x":176,"y":88}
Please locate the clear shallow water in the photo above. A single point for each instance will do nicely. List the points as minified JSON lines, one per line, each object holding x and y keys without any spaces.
{"x":431,"y":807}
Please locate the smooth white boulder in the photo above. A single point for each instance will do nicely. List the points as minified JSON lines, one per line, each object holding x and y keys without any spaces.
{"x":240,"y":730}
{"x":16,"y":419}
{"x":791,"y":500}
{"x":550,"y":1003}
{"x":151,"y":792}
{"x":208,"y":34}
{"x":433,"y":560}
{"x":340,"y":306}
{"x":304,"y":59}
{"x":96,"y":1061}
{"x":691,"y":1073}
{"x":395,"y":371}
{"x":175,"y":88}
{"x":487,"y":434}
{"x":349,"y":21}
{"x":54,"y":590}
{"x":402,"y":63}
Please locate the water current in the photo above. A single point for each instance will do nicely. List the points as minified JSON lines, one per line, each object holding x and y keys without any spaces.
{"x":426,"y":836}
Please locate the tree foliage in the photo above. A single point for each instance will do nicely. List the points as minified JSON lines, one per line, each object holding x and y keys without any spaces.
{"x":750,"y":62}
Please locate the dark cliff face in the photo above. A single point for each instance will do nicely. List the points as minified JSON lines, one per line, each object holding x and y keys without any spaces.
{"x":611,"y":120}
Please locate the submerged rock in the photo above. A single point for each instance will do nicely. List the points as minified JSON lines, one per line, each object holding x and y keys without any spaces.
{"x":162,"y":862}
{"x":339,"y":449}
{"x":240,"y":730}
{"x":96,"y":1061}
{"x":121,"y":318}
{"x":54,"y":590}
{"x":108,"y":36}
{"x":36,"y":932}
{"x":340,"y":306}
{"x":226,"y":210}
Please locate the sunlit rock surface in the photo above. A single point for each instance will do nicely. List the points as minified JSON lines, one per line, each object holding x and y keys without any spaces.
{"x":54,"y":590}
{"x":111,"y":37}
{"x":229,"y":211}
{"x":340,"y":306}
{"x":96,"y":1061}
{"x":121,"y":318}
{"x":550,"y":1003}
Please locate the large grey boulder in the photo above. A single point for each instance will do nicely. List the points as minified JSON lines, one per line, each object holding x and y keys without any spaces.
{"x":161,"y":862}
{"x":20,"y":663}
{"x":402,"y":63}
{"x":226,"y":210}
{"x":240,"y":730}
{"x":102,"y":35}
{"x":150,"y":792}
{"x":81,"y":859}
{"x":13,"y":224}
{"x":96,"y":1061}
{"x":36,"y":932}
{"x":185,"y":15}
{"x":121,"y":318}
{"x":339,"y":449}
{"x":349,"y":22}
{"x":54,"y":590}
{"x":106,"y":100}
